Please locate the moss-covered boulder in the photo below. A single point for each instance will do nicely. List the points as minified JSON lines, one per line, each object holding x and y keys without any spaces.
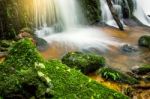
{"x":25,"y":74}
{"x":141,"y":70}
{"x":117,"y":76}
{"x":72,"y":84}
{"x":86,"y":62}
{"x":144,"y":41}
{"x":20,"y":76}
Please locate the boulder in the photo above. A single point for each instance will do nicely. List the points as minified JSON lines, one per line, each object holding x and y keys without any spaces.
{"x":117,"y":76}
{"x":85,"y":62}
{"x":141,"y":70}
{"x":127,"y":48}
{"x":41,"y":44}
{"x":21,"y":76}
{"x":144,"y":41}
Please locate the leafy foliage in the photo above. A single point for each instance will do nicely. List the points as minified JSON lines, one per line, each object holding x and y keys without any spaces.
{"x":116,"y":76}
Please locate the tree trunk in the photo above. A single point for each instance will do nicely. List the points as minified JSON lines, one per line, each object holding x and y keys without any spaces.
{"x":115,"y":16}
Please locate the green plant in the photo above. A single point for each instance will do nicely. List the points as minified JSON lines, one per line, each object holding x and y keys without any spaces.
{"x":116,"y":76}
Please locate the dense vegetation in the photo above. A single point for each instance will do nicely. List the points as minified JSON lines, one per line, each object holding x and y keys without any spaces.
{"x":25,"y":74}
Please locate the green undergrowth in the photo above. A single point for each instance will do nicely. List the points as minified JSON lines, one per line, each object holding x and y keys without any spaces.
{"x":25,"y":74}
{"x":117,"y":76}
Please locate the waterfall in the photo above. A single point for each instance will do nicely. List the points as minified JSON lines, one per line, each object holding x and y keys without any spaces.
{"x":67,"y":15}
{"x":106,"y":14}
{"x":45,"y":13}
{"x":56,"y":15}
{"x":139,"y":13}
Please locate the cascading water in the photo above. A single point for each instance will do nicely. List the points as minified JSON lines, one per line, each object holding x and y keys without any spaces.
{"x":45,"y":13}
{"x":106,"y":14}
{"x":139,"y":13}
{"x":74,"y":35}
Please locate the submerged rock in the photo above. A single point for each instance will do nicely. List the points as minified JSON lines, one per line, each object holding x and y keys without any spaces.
{"x":85,"y":62}
{"x":25,"y":75}
{"x":144,"y":41}
{"x":128,"y":48}
{"x":117,"y":76}
{"x":141,"y":70}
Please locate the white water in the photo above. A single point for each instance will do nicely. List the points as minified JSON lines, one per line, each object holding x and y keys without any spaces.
{"x":106,"y":14}
{"x":139,"y":13}
{"x":83,"y":39}
{"x":45,"y":12}
{"x":68,"y":15}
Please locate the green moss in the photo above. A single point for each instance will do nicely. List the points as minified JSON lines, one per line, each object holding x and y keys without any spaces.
{"x":116,"y":76}
{"x":20,"y":75}
{"x":144,"y":41}
{"x":86,"y":62}
{"x":71,"y":84}
{"x":91,"y":10}
{"x":25,"y":74}
{"x":23,"y":53}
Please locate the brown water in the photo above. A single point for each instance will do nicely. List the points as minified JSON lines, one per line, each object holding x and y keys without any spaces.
{"x":114,"y":57}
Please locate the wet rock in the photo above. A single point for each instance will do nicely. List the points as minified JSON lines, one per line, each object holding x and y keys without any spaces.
{"x":144,"y":41}
{"x":41,"y":44}
{"x":117,"y":76}
{"x":26,"y":33}
{"x":147,"y":78}
{"x":86,"y":62}
{"x":128,"y":48}
{"x":22,"y":35}
{"x":141,"y":70}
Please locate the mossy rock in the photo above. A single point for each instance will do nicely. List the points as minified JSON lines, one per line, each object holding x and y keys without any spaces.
{"x":142,"y":70}
{"x":25,"y":74}
{"x":72,"y":84}
{"x":144,"y":41}
{"x":20,"y":73}
{"x":86,"y":62}
{"x":117,"y":76}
